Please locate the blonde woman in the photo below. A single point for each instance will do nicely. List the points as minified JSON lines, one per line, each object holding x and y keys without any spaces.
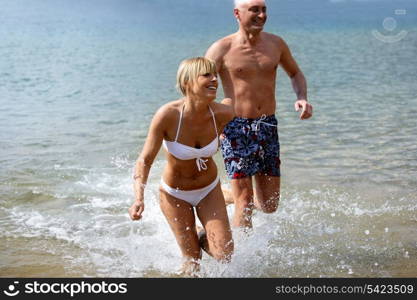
{"x":189,"y":130}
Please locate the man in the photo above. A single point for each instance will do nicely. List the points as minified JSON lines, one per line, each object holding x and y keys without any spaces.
{"x":247,"y":63}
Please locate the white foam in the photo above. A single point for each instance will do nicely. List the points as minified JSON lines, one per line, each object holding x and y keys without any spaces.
{"x":312,"y":233}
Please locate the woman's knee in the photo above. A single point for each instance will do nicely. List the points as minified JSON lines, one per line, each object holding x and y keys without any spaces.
{"x":225,"y":252}
{"x":222,"y":248}
{"x":188,"y":242}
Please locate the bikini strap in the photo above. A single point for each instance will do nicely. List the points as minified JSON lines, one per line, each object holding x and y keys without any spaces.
{"x":179,"y":123}
{"x":214,"y":121}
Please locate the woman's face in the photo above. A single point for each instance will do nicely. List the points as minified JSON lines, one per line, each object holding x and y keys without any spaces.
{"x":205,"y":86}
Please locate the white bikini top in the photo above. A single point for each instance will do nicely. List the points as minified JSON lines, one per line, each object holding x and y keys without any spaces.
{"x":185,"y":152}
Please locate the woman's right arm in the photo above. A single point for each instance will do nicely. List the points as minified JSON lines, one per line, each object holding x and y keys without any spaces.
{"x":228,"y":110}
{"x":144,"y":162}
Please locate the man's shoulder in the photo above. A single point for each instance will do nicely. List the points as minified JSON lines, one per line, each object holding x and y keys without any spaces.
{"x":273,"y":38}
{"x":223,"y":43}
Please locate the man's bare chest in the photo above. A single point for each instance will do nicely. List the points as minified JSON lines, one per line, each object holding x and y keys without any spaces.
{"x":251,"y":63}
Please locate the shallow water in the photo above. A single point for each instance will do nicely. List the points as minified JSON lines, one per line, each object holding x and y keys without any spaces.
{"x":80,"y":83}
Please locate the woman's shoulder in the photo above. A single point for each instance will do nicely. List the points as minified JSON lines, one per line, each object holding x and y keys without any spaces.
{"x":167,"y":115}
{"x":169,"y":110}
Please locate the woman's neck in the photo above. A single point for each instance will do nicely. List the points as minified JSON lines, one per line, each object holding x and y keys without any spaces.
{"x":195,"y":105}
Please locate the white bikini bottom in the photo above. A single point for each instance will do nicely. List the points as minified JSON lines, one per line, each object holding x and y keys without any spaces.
{"x":192,"y":197}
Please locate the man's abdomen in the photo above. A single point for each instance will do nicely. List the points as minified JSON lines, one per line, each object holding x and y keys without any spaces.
{"x":252,"y":99}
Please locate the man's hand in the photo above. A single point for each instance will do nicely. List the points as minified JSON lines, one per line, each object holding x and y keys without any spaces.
{"x":136,"y":210}
{"x":306,"y":108}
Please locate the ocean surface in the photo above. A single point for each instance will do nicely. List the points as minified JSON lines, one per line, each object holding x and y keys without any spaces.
{"x":81,"y":80}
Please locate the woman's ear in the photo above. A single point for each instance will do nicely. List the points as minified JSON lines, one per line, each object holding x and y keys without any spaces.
{"x":188,"y":87}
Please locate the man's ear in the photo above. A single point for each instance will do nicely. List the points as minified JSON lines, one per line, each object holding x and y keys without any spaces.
{"x":236,"y":13}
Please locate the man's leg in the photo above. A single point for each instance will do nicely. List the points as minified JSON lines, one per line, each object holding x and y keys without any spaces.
{"x":242,"y":193}
{"x":228,"y":197}
{"x":267,"y":179}
{"x":267,"y":190}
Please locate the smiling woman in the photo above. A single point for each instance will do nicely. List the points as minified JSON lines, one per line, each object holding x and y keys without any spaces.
{"x":196,"y":69}
{"x":190,"y":178}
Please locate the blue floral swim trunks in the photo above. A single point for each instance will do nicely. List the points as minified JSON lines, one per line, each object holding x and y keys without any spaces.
{"x":251,"y":146}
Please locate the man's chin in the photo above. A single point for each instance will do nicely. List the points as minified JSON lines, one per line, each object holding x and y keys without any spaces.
{"x":256,"y":29}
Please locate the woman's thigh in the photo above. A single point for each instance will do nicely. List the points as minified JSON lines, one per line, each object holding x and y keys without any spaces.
{"x":180,"y":217}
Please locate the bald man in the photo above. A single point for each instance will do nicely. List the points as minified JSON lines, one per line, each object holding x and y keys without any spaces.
{"x":247,"y":63}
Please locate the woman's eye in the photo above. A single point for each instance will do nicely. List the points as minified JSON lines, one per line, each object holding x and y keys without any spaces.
{"x":206,"y":74}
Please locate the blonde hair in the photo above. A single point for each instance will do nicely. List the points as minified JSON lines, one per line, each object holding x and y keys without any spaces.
{"x":190,"y":69}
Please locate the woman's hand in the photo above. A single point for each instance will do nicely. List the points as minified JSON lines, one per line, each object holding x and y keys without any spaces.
{"x":136,"y":210}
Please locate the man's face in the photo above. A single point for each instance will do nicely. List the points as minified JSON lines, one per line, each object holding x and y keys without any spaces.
{"x":251,"y":15}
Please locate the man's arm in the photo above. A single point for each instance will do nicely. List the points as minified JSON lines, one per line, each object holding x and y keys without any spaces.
{"x":216,"y":52}
{"x":298,"y":81}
